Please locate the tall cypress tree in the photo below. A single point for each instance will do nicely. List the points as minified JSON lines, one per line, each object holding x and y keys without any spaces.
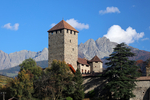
{"x":121,"y":74}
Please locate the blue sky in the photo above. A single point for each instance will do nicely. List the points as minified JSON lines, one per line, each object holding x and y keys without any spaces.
{"x":24,"y":23}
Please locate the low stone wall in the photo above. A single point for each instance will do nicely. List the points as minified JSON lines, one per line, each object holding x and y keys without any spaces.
{"x":142,"y":90}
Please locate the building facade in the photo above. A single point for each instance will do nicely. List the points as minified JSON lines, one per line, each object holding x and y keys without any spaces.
{"x":95,"y":65}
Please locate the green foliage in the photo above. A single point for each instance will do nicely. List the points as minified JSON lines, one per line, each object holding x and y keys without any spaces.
{"x":56,"y":82}
{"x":91,"y":93}
{"x":30,"y":65}
{"x":79,"y":89}
{"x":27,"y":64}
{"x":121,"y":74}
{"x":22,"y":86}
{"x":69,"y":98}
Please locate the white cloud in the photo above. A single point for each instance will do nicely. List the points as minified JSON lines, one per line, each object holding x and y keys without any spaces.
{"x":109,"y":10}
{"x":8,"y":26}
{"x":117,"y":34}
{"x":145,"y":39}
{"x":53,"y":24}
{"x":74,"y":23}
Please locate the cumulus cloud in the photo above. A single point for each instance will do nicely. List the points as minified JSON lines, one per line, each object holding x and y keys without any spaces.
{"x":74,"y":23}
{"x":117,"y":34}
{"x":8,"y":26}
{"x":53,"y":24}
{"x":109,"y":10}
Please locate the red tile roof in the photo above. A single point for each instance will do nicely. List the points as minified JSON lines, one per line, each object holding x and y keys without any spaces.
{"x":72,"y":69}
{"x":62,"y":25}
{"x":95,"y":59}
{"x":83,"y":61}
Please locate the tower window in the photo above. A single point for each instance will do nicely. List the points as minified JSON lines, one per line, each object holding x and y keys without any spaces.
{"x":67,"y":30}
{"x":70,"y":41}
{"x":56,"y":32}
{"x":74,"y":33}
{"x":60,"y":31}
{"x":72,"y":49}
{"x":70,"y":32}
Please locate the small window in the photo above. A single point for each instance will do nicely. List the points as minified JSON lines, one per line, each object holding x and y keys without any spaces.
{"x":52,"y":33}
{"x":60,"y":31}
{"x":70,"y":32}
{"x":82,"y":71}
{"x":95,"y":66}
{"x":74,"y":33}
{"x":67,"y":30}
{"x":72,"y":49}
{"x":70,"y":41}
{"x":56,"y":32}
{"x":96,"y":62}
{"x":82,"y":65}
{"x":87,"y":65}
{"x":85,"y":71}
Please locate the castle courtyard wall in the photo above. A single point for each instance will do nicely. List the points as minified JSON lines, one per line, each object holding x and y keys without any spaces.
{"x":142,"y":90}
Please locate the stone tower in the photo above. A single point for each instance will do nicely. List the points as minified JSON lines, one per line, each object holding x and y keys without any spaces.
{"x":63,"y":44}
{"x":96,"y":65}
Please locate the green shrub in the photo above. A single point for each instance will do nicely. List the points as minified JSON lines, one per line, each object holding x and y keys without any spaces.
{"x":69,"y":98}
{"x":91,"y":93}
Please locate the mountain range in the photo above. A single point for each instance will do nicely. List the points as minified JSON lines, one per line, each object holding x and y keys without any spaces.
{"x":102,"y":47}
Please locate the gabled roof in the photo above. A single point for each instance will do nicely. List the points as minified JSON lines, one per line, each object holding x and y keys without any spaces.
{"x":82,"y":61}
{"x":62,"y":25}
{"x":95,"y":59}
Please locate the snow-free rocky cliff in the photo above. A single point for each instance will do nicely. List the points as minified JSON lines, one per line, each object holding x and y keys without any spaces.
{"x":102,"y":47}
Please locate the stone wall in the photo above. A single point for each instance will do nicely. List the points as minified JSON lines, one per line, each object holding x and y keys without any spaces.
{"x":71,"y":47}
{"x":96,"y":67}
{"x":63,"y":45}
{"x":56,"y":46}
{"x":142,"y":90}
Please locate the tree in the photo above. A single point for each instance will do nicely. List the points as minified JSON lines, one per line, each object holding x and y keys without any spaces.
{"x":30,"y":65}
{"x":22,"y":86}
{"x":79,"y":89}
{"x":56,"y":83}
{"x":121,"y":74}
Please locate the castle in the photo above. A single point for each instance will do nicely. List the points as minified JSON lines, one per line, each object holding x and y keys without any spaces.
{"x":63,"y":46}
